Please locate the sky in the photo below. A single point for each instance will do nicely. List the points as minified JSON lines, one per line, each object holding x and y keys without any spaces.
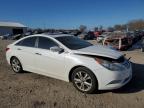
{"x":69,"y":14}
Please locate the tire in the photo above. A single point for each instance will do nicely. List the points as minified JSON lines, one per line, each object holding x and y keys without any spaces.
{"x":16,"y":65}
{"x":84,"y":80}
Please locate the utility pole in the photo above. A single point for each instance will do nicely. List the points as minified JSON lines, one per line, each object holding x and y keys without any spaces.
{"x":127,"y":28}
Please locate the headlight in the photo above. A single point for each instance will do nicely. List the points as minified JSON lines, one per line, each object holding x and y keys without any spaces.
{"x":110,"y":65}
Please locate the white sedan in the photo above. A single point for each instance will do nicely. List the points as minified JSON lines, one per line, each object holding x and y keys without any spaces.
{"x":89,"y":67}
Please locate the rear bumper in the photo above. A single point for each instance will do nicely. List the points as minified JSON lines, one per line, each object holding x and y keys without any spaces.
{"x":8,"y":58}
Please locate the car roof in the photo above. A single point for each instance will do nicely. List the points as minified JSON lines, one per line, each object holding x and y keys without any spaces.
{"x":52,"y":35}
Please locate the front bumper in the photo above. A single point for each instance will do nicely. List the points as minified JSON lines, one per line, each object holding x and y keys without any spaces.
{"x":109,"y":80}
{"x":117,"y":85}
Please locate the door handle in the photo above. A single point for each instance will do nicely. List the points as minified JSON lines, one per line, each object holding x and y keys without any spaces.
{"x":38,"y":54}
{"x":19,"y":49}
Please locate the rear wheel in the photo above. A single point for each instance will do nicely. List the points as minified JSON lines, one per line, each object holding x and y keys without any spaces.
{"x":16,"y":65}
{"x":84,"y":80}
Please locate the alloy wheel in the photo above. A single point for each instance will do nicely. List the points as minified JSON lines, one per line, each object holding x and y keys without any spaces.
{"x":83,"y":81}
{"x":16,"y":66}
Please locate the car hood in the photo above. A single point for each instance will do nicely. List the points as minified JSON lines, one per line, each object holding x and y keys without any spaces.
{"x":99,"y":50}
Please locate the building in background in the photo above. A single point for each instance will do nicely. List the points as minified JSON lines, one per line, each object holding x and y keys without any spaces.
{"x":12,"y":28}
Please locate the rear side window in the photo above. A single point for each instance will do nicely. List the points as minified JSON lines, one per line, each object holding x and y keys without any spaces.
{"x":28,"y":42}
{"x":46,"y":43}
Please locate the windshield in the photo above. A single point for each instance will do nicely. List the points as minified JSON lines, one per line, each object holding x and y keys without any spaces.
{"x":73,"y":43}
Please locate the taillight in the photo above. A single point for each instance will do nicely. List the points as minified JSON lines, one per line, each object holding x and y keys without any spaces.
{"x":7,"y":49}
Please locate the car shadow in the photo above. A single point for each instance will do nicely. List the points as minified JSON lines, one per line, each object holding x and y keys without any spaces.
{"x":137,"y":82}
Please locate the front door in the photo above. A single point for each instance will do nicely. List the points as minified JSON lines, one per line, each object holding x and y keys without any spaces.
{"x":48,"y":62}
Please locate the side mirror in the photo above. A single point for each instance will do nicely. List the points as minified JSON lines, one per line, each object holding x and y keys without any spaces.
{"x":56,"y":49}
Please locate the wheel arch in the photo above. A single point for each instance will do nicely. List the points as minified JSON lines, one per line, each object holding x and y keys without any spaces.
{"x":75,"y":67}
{"x":12,"y":58}
{"x":17,"y":58}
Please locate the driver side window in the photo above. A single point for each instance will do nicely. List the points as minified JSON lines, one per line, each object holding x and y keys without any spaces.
{"x":46,"y":43}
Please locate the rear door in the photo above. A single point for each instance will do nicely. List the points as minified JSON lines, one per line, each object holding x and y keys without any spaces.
{"x":25,"y":52}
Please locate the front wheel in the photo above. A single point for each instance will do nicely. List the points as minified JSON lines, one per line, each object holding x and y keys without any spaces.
{"x":16,"y":65}
{"x":84,"y":80}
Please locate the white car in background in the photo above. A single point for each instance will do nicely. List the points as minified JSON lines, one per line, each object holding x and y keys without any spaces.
{"x":65,"y":57}
{"x":101,"y":37}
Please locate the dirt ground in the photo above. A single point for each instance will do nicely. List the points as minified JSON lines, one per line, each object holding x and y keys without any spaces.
{"x":29,"y":90}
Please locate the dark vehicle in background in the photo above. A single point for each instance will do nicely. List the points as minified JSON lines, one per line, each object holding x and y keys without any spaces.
{"x":5,"y":37}
{"x":86,"y":36}
{"x":142,"y":44}
{"x":138,"y":35}
{"x":90,"y":36}
{"x":135,"y":35}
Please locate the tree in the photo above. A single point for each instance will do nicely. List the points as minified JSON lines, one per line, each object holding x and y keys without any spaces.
{"x":95,"y":29}
{"x":110,"y":29}
{"x":120,"y":27}
{"x":136,"y":24}
{"x":82,"y":28}
{"x":132,"y":25}
{"x":100,"y":28}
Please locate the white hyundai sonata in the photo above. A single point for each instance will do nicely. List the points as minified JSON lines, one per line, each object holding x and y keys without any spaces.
{"x":89,"y":67}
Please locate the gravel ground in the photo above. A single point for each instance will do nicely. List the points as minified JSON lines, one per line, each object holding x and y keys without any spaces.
{"x":29,"y":90}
